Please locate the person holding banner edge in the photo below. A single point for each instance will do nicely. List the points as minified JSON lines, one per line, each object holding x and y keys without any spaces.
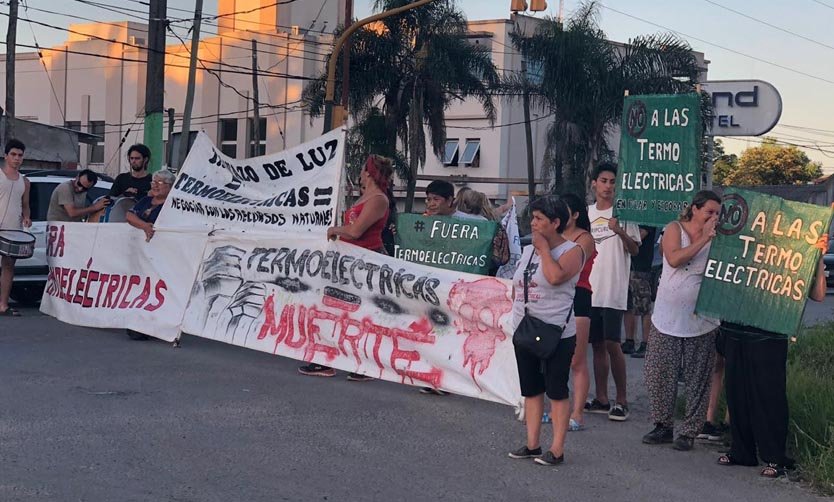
{"x":364,"y":223}
{"x":755,"y":381}
{"x":547,"y":278}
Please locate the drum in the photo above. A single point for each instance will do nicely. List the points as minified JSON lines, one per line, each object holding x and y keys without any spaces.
{"x":17,"y":244}
{"x":115,"y":212}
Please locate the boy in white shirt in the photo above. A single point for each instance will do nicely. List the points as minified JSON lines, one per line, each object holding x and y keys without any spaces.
{"x":616,"y":243}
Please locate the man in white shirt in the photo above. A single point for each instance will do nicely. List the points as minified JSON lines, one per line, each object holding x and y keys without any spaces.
{"x":616,"y":243}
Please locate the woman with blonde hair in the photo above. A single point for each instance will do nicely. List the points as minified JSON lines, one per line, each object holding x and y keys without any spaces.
{"x":474,"y":205}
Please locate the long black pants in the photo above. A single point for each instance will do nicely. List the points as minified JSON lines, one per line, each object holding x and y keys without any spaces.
{"x":756,"y":398}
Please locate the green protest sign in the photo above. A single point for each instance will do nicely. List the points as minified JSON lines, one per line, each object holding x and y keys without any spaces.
{"x":762,"y":261}
{"x":660,"y":159}
{"x":445,"y":242}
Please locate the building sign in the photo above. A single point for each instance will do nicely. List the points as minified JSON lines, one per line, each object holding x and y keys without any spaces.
{"x":445,"y":242}
{"x":762,"y":261}
{"x":743,"y":107}
{"x":660,"y":160}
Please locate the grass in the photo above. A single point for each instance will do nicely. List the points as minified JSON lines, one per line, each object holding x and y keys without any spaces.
{"x":811,"y":399}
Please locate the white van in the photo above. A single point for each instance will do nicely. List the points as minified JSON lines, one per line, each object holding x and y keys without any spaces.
{"x":30,"y":274}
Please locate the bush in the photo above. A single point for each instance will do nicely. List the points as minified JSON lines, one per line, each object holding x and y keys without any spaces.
{"x":811,"y":397}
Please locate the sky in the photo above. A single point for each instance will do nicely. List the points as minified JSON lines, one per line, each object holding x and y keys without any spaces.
{"x":789,"y":44}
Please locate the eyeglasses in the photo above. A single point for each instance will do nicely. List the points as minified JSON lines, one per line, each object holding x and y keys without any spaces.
{"x":157,"y":182}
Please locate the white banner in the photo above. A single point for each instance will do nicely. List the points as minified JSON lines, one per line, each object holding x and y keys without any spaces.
{"x":295,"y":190}
{"x":105,"y":275}
{"x":343,"y":306}
{"x":510,"y":224}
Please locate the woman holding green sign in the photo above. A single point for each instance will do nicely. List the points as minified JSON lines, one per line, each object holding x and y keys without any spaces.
{"x":681,"y":340}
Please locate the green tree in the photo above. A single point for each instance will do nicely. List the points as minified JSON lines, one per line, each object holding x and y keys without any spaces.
{"x":581,"y":81}
{"x":772,"y":164}
{"x":722,"y":163}
{"x":411,"y":68}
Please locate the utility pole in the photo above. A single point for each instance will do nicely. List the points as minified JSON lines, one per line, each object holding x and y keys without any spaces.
{"x":255,"y":144}
{"x":528,"y":132}
{"x":345,"y":67}
{"x":185,"y":133}
{"x":155,"y":81}
{"x":11,"y":42}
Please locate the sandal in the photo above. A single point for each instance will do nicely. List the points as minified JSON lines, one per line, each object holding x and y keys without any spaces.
{"x":574,"y":426}
{"x":773,"y":471}
{"x":726,"y":460}
{"x":10,"y":312}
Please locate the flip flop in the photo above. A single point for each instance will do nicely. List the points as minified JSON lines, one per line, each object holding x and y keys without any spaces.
{"x":574,"y":426}
{"x":10,"y":312}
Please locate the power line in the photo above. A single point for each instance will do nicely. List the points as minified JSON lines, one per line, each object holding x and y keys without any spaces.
{"x":777,"y":65}
{"x":43,"y":63}
{"x":824,"y":4}
{"x":783,"y":30}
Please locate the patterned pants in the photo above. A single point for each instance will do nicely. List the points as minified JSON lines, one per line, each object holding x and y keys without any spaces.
{"x":666,"y":356}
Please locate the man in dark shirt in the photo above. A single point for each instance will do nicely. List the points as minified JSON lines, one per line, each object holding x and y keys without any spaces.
{"x":641,"y":291}
{"x":137,"y":182}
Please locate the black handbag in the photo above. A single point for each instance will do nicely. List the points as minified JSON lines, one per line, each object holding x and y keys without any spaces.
{"x":533,"y":335}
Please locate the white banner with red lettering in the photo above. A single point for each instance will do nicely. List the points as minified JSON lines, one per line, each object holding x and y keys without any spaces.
{"x":105,"y":275}
{"x":343,"y":306}
{"x":293,"y":190}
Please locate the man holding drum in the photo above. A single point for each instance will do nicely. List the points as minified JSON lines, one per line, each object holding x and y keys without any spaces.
{"x":14,"y":202}
{"x":69,"y":199}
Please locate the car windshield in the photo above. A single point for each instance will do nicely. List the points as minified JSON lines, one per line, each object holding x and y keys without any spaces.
{"x":831,"y":246}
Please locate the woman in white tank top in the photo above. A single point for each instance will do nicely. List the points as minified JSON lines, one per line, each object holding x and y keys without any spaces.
{"x":680,"y":339}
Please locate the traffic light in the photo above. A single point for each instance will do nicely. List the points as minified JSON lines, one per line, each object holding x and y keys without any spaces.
{"x":519,"y":5}
{"x":538,"y":5}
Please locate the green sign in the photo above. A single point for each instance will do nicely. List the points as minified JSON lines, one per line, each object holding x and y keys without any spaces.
{"x":762,"y":261}
{"x":660,"y":157}
{"x":445,"y":242}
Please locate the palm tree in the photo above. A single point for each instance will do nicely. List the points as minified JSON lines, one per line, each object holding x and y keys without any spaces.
{"x":412,"y":67}
{"x":581,"y":81}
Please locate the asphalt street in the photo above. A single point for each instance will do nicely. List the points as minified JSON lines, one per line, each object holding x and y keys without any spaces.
{"x":89,"y":415}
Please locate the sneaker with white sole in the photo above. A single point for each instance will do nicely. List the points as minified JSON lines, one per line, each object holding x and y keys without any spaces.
{"x":525,"y":452}
{"x":594,"y":406}
{"x":710,"y":432}
{"x":618,"y":413}
{"x":314,"y":369}
{"x":549,"y":459}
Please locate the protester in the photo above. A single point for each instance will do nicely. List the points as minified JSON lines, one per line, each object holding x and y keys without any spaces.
{"x":552,"y":265}
{"x":14,"y":199}
{"x":136,"y":183}
{"x":681,"y":340}
{"x":364,"y":223}
{"x":69,"y":199}
{"x":440,"y":199}
{"x":475,"y":205}
{"x":615,"y":246}
{"x":641,"y":295}
{"x":143,"y":215}
{"x":757,"y":400}
{"x":578,"y":230}
{"x":389,"y":233}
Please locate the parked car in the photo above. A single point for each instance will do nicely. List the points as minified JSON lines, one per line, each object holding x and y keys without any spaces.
{"x":30,"y":274}
{"x":828,"y":259}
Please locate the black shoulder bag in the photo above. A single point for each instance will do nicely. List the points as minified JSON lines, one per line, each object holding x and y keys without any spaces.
{"x":534,"y":335}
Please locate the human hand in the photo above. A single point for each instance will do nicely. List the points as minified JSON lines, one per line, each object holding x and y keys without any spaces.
{"x":822,"y":243}
{"x":331,"y":234}
{"x":539,"y":241}
{"x":131,"y":191}
{"x":149,"y":232}
{"x":27,"y":222}
{"x":101,"y":203}
{"x":614,"y":224}
{"x":710,"y":228}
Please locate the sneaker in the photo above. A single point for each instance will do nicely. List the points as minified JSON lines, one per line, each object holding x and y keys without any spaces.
{"x":314,"y":369}
{"x":546,"y":418}
{"x":628,"y":347}
{"x":525,"y":452}
{"x":432,"y":390}
{"x":618,"y":413}
{"x":594,"y":406}
{"x":684,"y":443}
{"x":659,"y":435}
{"x":357,"y":377}
{"x":549,"y":459}
{"x":640,"y":353}
{"x":710,"y":432}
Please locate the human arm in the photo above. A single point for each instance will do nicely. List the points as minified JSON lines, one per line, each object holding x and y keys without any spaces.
{"x":118,"y":188}
{"x":561,"y":270}
{"x":819,"y":286}
{"x":76,"y":212}
{"x":588,"y":245}
{"x":630,"y":245}
{"x":27,"y":214}
{"x":137,"y":222}
{"x":372,"y":211}
{"x":678,"y":255}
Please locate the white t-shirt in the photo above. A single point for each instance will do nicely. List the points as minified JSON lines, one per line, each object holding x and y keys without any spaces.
{"x":609,"y":277}
{"x":546,"y":302}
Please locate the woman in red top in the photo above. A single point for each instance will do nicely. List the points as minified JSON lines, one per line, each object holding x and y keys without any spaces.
{"x":364,"y":223}
{"x":578,"y":231}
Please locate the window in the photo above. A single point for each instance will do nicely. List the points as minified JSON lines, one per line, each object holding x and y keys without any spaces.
{"x":228,"y":137}
{"x":450,"y":153}
{"x":261,"y":142}
{"x":472,"y":153}
{"x":96,"y":127}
